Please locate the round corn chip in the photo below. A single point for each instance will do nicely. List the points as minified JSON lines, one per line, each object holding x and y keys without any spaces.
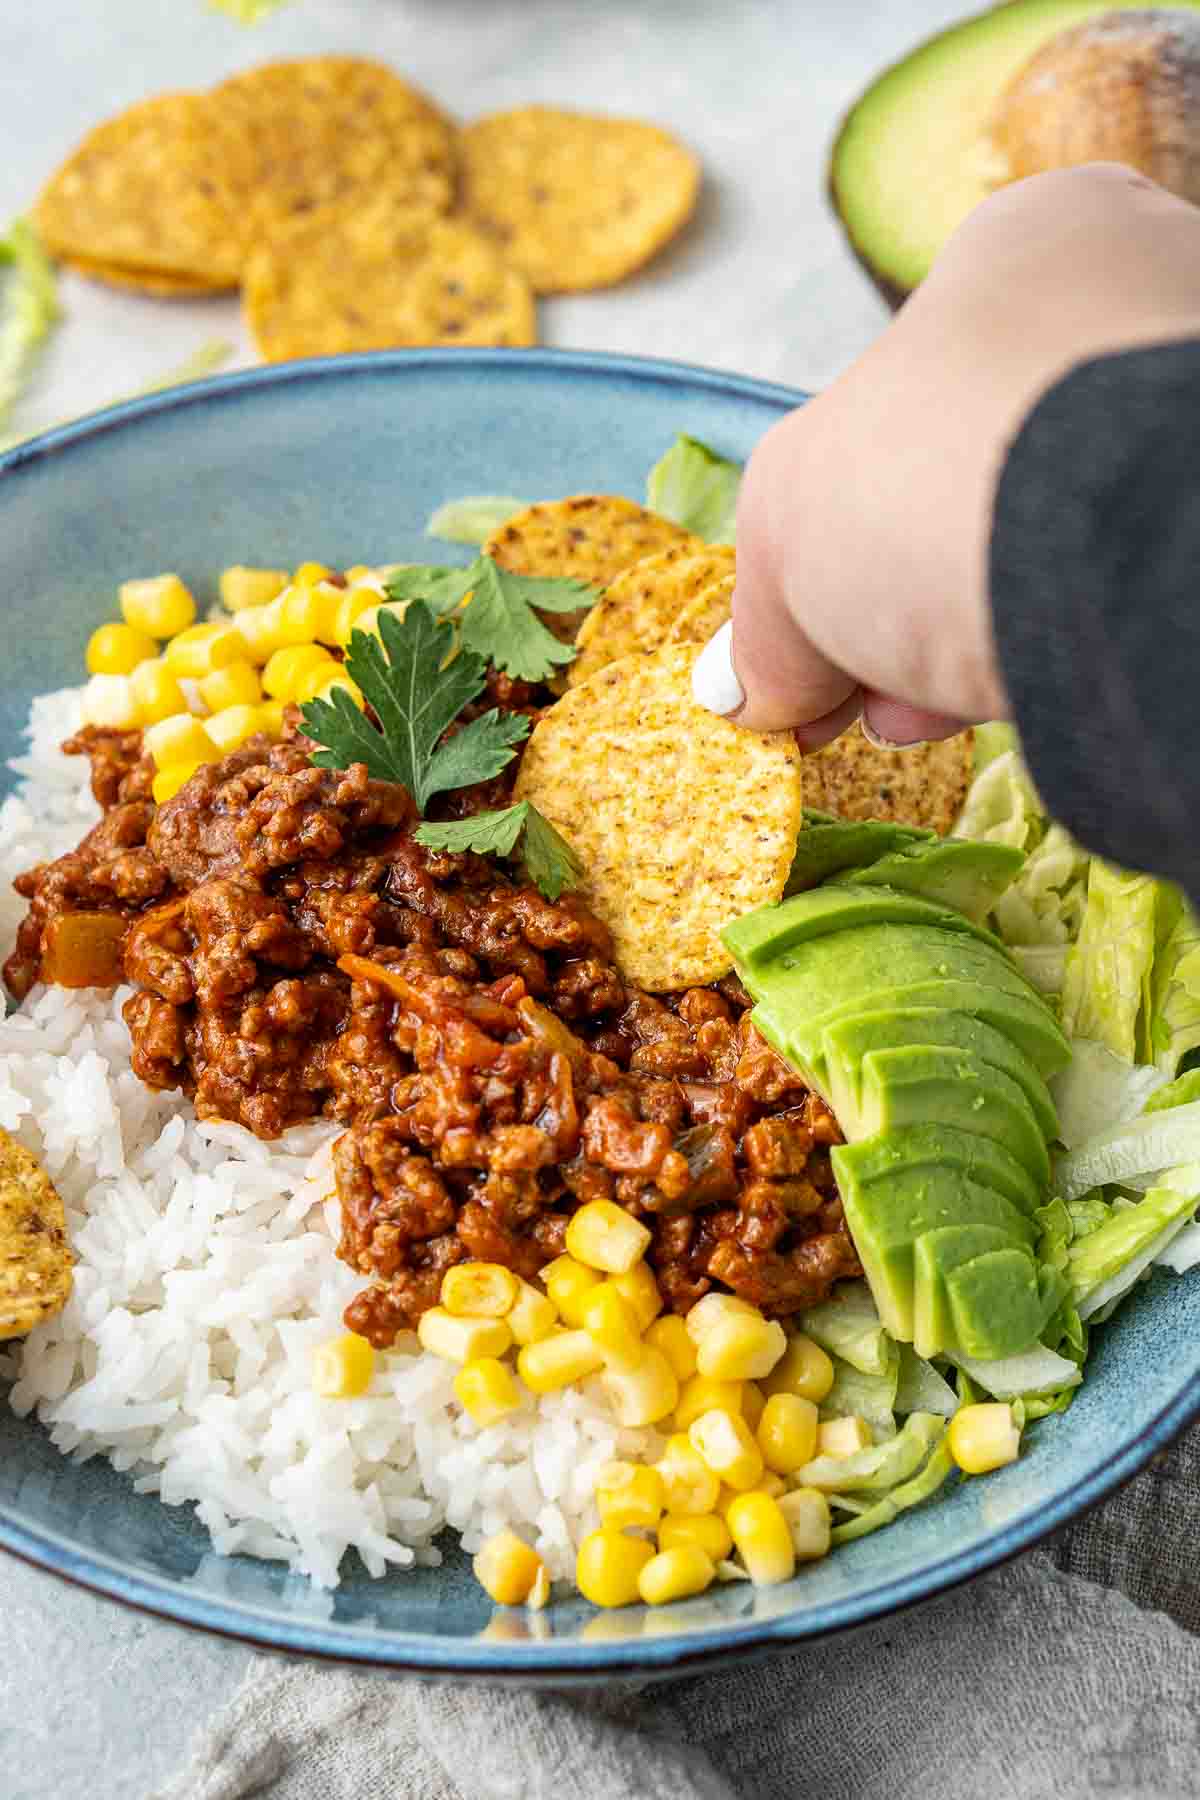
{"x":577,"y":200}
{"x":35,"y":1258}
{"x":156,"y":282}
{"x":644,"y":604}
{"x":681,"y":820}
{"x":706,"y":614}
{"x":333,"y":131}
{"x":925,"y":785}
{"x":383,"y":279}
{"x":159,"y":188}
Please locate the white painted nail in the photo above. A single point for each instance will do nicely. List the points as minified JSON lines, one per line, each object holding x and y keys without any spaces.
{"x":714,"y":683}
{"x":882,"y":743}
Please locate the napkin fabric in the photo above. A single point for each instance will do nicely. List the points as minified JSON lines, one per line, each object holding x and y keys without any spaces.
{"x":1070,"y":1675}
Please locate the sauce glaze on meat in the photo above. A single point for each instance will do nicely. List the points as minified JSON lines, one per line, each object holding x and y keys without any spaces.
{"x":297,"y":954}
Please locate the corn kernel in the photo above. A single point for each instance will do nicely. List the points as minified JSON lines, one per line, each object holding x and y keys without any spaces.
{"x":462,"y":1340}
{"x":803,"y":1369}
{"x":705,"y":1313}
{"x":231,"y":727}
{"x":309,"y":573}
{"x":313,"y":682}
{"x":160,"y":605}
{"x":771,"y":1483}
{"x":242,"y":587}
{"x":109,"y":700}
{"x":708,"y":1531}
{"x":640,"y":1289}
{"x":297,"y":613}
{"x":330,"y":685}
{"x":156,"y":692}
{"x":118,"y":649}
{"x":701,"y":1395}
{"x":984,"y":1437}
{"x":787,"y":1433}
{"x":723,"y":1439}
{"x":676,"y":1574}
{"x":641,"y":1395}
{"x":611,"y":1323}
{"x":532,"y":1316}
{"x":479,"y":1290}
{"x":485,"y":1388}
{"x":807,"y":1513}
{"x":168,"y":781}
{"x":235,"y":685}
{"x":629,"y":1495}
{"x":669,"y":1334}
{"x":689,"y":1485}
{"x":555,"y":1362}
{"x":740,"y":1347}
{"x":763,"y":1539}
{"x":178,"y":739}
{"x":608,"y":1565}
{"x":256,"y":627}
{"x":201,"y":649}
{"x":753,"y":1402}
{"x":270,"y":717}
{"x":568,"y":1284}
{"x":602,"y":1235}
{"x":352,"y":604}
{"x":843,"y":1437}
{"x":286,"y":667}
{"x":507,"y":1568}
{"x":343,"y":1367}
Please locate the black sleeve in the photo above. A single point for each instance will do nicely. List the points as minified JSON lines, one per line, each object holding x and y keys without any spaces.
{"x":1095,"y":591}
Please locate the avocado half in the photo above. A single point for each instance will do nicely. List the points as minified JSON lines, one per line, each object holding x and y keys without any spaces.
{"x":912,"y":156}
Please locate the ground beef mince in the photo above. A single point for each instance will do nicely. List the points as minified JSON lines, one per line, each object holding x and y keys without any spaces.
{"x":297,"y":954}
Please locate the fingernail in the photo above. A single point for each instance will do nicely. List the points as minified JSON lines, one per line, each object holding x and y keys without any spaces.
{"x":714,"y":683}
{"x":882,"y":743}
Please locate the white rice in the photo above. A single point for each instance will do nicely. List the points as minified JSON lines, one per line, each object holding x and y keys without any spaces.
{"x":206,"y":1274}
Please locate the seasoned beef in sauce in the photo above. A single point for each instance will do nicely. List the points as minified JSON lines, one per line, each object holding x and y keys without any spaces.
{"x":297,"y":954}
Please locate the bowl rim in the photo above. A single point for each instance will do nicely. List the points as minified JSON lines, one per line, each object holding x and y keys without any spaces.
{"x":536,"y":1660}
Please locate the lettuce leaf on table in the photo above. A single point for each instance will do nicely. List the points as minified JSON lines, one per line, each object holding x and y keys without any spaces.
{"x":697,"y":488}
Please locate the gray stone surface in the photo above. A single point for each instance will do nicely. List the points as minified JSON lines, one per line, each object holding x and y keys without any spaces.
{"x":99,"y":1702}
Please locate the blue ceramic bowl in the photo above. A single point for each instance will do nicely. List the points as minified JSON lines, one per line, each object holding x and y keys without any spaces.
{"x":343,"y":460}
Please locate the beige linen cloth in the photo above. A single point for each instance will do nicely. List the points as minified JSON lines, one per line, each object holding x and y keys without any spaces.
{"x":1072,"y":1674}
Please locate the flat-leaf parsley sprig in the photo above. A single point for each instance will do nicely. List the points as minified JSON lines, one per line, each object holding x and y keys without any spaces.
{"x":417,"y":683}
{"x":496,"y":612}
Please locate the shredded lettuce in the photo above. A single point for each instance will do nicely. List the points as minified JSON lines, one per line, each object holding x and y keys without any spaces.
{"x":473,"y":519}
{"x":849,"y":1326}
{"x":1133,"y":1154}
{"x":1037,"y":1371}
{"x":920,"y":1388}
{"x":1180,"y":1092}
{"x":923,"y":1486}
{"x":1112,"y":1259}
{"x":1099,"y":1089}
{"x":695,"y":487}
{"x":30,"y":310}
{"x":878,"y":1468}
{"x":872,"y":1397}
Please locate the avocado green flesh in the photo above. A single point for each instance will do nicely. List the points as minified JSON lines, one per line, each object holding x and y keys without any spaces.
{"x":912,"y":156}
{"x":950,"y":871}
{"x":845,"y":1043}
{"x":888,"y":1218}
{"x":942,"y":1148}
{"x":775,"y":934}
{"x":828,"y":845}
{"x":997,"y":1305}
{"x":916,"y":1084}
{"x":935,"y":1253}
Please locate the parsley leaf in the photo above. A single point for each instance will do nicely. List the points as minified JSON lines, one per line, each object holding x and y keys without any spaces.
{"x":549,"y":860}
{"x":416,"y":693}
{"x":500,"y":623}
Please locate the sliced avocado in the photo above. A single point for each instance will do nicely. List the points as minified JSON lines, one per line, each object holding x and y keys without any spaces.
{"x":828,"y":844}
{"x":917,"y":1084}
{"x":848,"y":1040}
{"x":772,"y":934}
{"x":887,"y":1218}
{"x":913,"y":155}
{"x":998,"y":1305}
{"x":946,"y":1148}
{"x":970,"y":877}
{"x":935,"y":1253}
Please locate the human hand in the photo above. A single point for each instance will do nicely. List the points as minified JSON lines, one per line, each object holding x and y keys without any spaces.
{"x":865,"y":516}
